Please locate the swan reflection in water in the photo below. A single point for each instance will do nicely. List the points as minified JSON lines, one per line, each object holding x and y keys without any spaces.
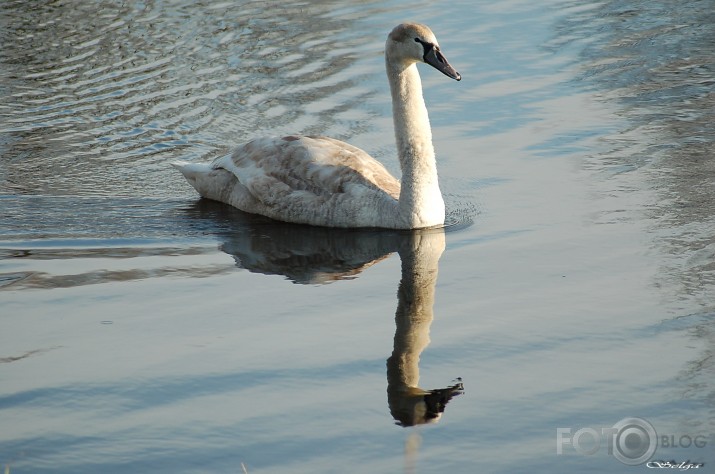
{"x":409,"y":404}
{"x":317,"y":255}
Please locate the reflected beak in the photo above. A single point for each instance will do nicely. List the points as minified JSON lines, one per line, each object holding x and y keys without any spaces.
{"x":434,"y":57}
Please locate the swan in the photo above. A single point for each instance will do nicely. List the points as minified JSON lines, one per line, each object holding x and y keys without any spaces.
{"x":322,"y":181}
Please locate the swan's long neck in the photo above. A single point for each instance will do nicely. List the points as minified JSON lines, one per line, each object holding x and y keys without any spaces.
{"x":421,"y":201}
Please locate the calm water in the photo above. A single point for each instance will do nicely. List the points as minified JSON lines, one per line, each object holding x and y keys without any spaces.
{"x":144,"y":330}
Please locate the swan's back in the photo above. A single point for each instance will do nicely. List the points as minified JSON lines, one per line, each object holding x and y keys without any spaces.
{"x":302,"y":179}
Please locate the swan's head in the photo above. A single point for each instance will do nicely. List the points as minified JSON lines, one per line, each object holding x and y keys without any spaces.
{"x":412,"y":42}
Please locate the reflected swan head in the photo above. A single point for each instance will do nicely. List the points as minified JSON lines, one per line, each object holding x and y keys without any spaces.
{"x":415,"y":406}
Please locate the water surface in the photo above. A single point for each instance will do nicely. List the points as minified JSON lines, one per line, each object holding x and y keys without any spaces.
{"x":145,"y":330}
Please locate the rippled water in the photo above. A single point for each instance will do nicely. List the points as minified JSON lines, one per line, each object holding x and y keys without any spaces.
{"x":144,"y":330}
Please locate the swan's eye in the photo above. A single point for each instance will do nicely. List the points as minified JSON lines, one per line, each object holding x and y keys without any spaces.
{"x":427,"y":47}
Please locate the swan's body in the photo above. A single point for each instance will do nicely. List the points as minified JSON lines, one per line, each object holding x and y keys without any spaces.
{"x":326,"y":182}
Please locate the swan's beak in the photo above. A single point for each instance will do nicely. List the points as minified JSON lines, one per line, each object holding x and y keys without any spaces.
{"x":434,"y":57}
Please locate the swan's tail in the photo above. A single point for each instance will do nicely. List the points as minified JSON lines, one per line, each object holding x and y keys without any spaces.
{"x":210,"y":182}
{"x":192,"y":171}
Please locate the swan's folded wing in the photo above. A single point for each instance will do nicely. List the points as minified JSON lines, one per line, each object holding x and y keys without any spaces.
{"x":314,"y":169}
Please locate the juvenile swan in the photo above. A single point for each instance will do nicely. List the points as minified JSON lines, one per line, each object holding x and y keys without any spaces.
{"x":325,"y":182}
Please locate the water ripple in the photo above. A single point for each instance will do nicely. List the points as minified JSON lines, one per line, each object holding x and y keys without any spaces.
{"x":142,"y":85}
